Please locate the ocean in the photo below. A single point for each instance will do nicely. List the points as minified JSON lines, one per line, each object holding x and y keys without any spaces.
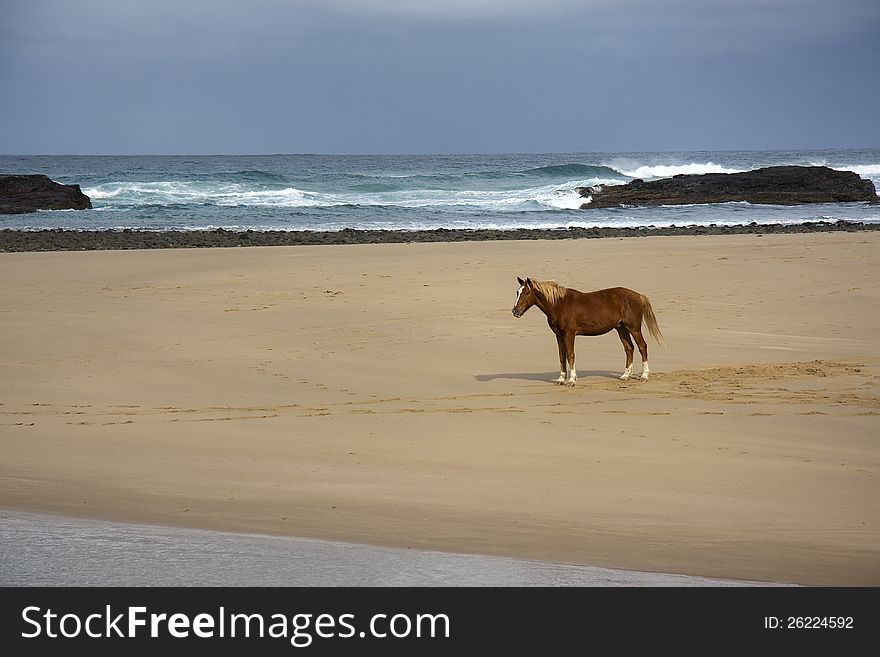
{"x":44,"y":550}
{"x":406,"y":192}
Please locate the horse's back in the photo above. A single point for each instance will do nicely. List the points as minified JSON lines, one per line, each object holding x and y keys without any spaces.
{"x":608,"y":296}
{"x":599,"y":311}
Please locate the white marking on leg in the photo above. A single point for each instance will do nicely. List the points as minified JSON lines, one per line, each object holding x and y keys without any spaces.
{"x":645,"y":370}
{"x":572,"y":375}
{"x":626,"y":373}
{"x":561,"y":378}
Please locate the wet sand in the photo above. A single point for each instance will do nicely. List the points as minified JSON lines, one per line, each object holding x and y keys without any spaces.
{"x":383,"y":394}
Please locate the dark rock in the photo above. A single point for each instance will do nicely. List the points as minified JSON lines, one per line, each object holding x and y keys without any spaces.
{"x":20,"y":193}
{"x":783,"y":185}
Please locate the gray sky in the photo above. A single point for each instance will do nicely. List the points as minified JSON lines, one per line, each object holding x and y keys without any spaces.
{"x":437,"y":76}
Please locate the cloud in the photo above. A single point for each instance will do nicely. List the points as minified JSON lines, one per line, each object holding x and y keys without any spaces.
{"x":436,"y":75}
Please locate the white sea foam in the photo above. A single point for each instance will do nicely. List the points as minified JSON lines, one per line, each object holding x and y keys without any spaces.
{"x":560,"y":199}
{"x":547,"y":197}
{"x":97,"y":193}
{"x":861,"y":169}
{"x":635,"y":170}
{"x":868,"y":170}
{"x":289,"y":197}
{"x":188,"y":192}
{"x":550,"y":197}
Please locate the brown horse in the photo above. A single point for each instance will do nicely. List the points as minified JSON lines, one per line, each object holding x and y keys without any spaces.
{"x":570,"y":313}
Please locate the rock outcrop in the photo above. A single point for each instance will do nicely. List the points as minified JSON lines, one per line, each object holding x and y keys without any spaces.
{"x":20,"y":193}
{"x":781,"y":185}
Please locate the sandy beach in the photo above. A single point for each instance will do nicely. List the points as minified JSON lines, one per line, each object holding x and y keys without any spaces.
{"x":384,"y":394}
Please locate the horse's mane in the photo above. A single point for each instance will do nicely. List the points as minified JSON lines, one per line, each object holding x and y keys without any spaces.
{"x":550,"y":290}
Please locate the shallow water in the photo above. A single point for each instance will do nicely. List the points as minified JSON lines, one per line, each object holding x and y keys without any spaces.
{"x":42,"y":550}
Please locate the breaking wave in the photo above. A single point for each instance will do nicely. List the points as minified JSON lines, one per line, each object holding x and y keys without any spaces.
{"x":120,"y":195}
{"x":372,"y":191}
{"x":575,"y":171}
{"x":646,"y":172}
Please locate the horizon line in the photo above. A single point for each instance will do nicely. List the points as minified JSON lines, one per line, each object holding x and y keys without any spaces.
{"x":446,"y":154}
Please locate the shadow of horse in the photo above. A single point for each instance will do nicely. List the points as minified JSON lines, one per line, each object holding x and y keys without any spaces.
{"x":549,"y":377}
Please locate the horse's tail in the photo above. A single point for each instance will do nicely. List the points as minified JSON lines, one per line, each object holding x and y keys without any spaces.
{"x":651,"y":321}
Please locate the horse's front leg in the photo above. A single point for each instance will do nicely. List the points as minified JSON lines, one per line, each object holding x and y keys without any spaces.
{"x":560,"y":340}
{"x":572,"y":375}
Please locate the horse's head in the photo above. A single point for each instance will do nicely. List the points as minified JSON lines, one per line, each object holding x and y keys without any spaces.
{"x":525,"y":297}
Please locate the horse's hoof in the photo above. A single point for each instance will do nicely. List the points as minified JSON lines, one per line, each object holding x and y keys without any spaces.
{"x":559,"y":382}
{"x":644,"y":377}
{"x":570,"y":383}
{"x":624,"y":376}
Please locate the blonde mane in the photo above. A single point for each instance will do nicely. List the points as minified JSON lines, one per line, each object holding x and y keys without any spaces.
{"x":550,"y":290}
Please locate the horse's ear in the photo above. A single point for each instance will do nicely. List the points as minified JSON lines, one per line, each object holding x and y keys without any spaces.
{"x":520,"y":281}
{"x":528,"y":283}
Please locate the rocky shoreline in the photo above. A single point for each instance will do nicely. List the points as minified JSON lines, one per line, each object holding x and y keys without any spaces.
{"x":93,"y":240}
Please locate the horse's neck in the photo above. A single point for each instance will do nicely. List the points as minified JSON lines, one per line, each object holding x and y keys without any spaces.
{"x":544,"y":306}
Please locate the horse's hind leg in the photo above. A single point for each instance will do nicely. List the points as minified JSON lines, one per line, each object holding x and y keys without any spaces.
{"x":625,"y":338}
{"x":560,"y":340}
{"x":643,"y":350}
